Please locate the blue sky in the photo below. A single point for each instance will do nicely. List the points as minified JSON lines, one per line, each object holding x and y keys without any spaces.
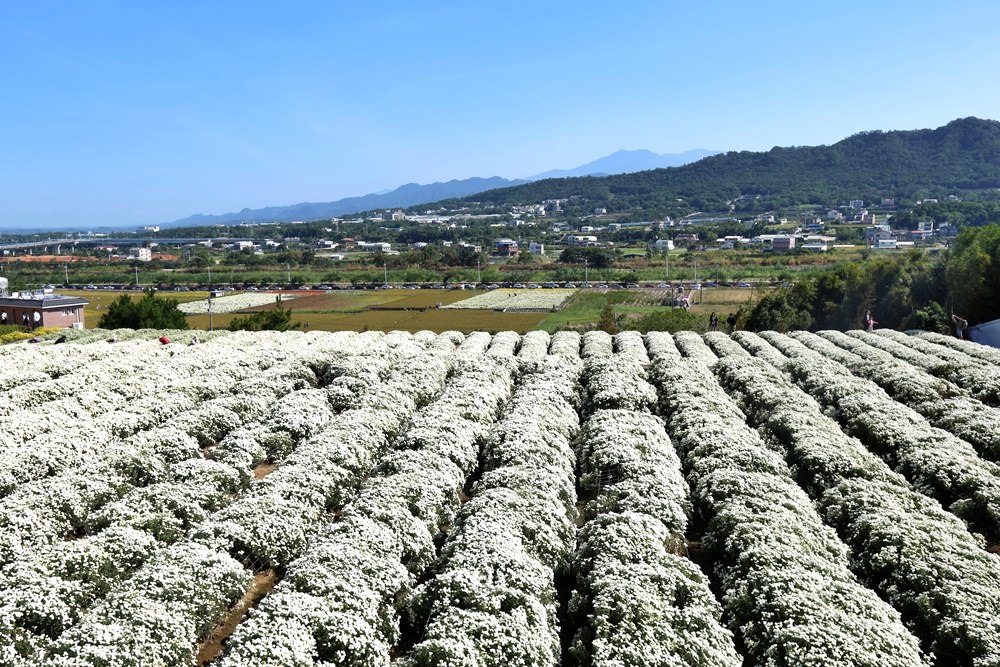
{"x":136,"y":113}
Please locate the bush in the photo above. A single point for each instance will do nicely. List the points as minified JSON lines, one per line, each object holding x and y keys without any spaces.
{"x":669,"y":319}
{"x":150,"y":312}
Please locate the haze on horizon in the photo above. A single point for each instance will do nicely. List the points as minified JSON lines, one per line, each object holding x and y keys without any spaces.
{"x":127,"y":113}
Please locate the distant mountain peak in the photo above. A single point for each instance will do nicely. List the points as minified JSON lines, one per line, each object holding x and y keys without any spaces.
{"x":625,"y":161}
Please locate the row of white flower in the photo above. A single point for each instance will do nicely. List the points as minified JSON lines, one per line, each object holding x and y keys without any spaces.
{"x":23,"y":364}
{"x":597,"y":344}
{"x":942,"y":403}
{"x":786,"y":586}
{"x":631,"y":344}
{"x":270,"y":524}
{"x":232,"y":303}
{"x":724,"y":346}
{"x":188,"y":488}
{"x":48,"y":507}
{"x":985,"y":352}
{"x":761,"y":349}
{"x":935,"y":461}
{"x":43,"y":510}
{"x":521,"y":299}
{"x":73,"y":418}
{"x":917,"y":556}
{"x":693,"y":347}
{"x":186,"y":491}
{"x":919,"y":344}
{"x":981,"y":380}
{"x":341,"y":601}
{"x":617,"y":380}
{"x":637,"y":602}
{"x":661,"y":343}
{"x":492,"y":598}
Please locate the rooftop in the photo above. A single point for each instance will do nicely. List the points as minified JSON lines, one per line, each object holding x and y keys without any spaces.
{"x":36,"y":300}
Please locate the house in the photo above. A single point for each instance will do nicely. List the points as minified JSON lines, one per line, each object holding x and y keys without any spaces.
{"x":856,"y":203}
{"x":876,"y":234}
{"x":140,"y":254}
{"x":536,"y":248}
{"x":506,"y":247}
{"x":783,"y":243}
{"x":581,"y":240}
{"x":41,"y":309}
{"x":393,"y":216}
{"x":378,"y":247}
{"x":600,"y":211}
{"x":663,"y":245}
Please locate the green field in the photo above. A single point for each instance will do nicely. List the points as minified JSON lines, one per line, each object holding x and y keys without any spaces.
{"x":415,"y":310}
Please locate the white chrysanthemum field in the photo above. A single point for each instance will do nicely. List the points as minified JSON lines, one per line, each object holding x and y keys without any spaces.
{"x":293,"y":499}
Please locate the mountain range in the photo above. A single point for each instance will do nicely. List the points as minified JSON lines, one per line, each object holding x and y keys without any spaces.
{"x":960,"y":158}
{"x":413,"y":194}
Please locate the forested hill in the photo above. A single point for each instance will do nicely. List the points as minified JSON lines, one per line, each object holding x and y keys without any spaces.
{"x":960,"y":157}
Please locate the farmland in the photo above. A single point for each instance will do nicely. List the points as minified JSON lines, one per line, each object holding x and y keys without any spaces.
{"x":497,"y":499}
{"x":418,"y":310}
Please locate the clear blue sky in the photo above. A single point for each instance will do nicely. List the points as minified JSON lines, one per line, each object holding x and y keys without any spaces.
{"x":139,"y":112}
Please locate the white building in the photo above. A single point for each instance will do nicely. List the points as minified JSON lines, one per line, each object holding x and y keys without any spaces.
{"x":536,"y":248}
{"x":140,"y":254}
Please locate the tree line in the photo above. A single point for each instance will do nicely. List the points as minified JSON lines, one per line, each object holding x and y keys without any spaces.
{"x":910,"y":291}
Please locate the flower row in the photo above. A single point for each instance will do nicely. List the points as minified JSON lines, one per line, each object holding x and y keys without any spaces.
{"x":637,"y":600}
{"x":492,"y":598}
{"x":176,"y":490}
{"x":41,"y":511}
{"x":342,"y":599}
{"x":232,"y":303}
{"x":943,"y":404}
{"x":917,"y":556}
{"x":935,"y":461}
{"x":981,"y":380}
{"x":503,"y":299}
{"x":269,"y":523}
{"x":976,"y":350}
{"x":786,"y":587}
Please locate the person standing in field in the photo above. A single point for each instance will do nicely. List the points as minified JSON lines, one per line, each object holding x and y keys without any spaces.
{"x":713,"y":322}
{"x":36,"y":320}
{"x":870,"y":321}
{"x":961,"y":324}
{"x":731,"y":321}
{"x":3,"y":318}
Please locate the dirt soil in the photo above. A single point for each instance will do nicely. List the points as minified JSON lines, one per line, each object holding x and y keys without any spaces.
{"x":211,"y":648}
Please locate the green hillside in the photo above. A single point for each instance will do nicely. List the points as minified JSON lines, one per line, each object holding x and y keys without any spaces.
{"x":961,"y":158}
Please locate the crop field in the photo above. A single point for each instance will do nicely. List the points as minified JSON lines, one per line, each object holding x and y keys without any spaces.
{"x":515,"y":299}
{"x":419,"y":499}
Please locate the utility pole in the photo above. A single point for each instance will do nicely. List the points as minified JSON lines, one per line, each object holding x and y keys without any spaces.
{"x":479,"y":276}
{"x":385,"y":272}
{"x":666,"y":263}
{"x":136,"y":276}
{"x":585,"y":271}
{"x":288,"y":272}
{"x":210,"y":277}
{"x":66,"y":273}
